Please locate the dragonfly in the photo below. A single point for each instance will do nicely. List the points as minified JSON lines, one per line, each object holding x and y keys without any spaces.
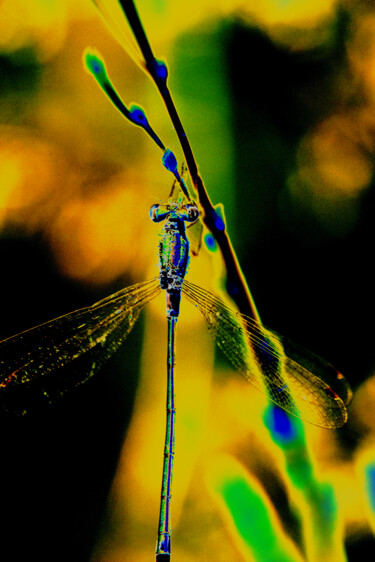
{"x":41,"y":364}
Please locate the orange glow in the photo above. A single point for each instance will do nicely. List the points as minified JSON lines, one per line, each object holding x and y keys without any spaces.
{"x":97,"y":238}
{"x":333,"y":169}
{"x":331,"y":160}
{"x":341,"y":165}
{"x":28,"y":167}
{"x":361,"y":52}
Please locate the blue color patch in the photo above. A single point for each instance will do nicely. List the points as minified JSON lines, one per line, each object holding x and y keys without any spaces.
{"x":93,"y":63}
{"x":232,"y":288}
{"x":219,"y":220}
{"x":210,"y":242}
{"x":280,"y":424}
{"x":137,"y":115}
{"x":161,"y":69}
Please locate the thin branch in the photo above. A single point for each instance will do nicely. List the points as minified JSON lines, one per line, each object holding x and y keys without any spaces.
{"x":236,"y":283}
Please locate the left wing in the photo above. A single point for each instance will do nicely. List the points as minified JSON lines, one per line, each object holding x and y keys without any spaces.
{"x":44,"y":362}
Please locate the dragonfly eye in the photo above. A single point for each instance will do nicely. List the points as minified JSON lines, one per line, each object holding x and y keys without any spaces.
{"x":159,"y":213}
{"x":192,"y":213}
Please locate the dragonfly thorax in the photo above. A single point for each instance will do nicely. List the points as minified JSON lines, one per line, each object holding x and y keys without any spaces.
{"x":173,"y":249}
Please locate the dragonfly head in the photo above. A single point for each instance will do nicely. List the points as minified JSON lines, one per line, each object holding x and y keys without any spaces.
{"x":186,"y":212}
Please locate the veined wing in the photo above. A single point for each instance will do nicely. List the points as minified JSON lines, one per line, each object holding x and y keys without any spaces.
{"x":293,"y":378}
{"x":41,"y":364}
{"x":195,"y":233}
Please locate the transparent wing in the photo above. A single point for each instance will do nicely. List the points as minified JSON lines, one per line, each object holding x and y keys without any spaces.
{"x":293,"y":378}
{"x":41,"y":364}
{"x":195,"y":233}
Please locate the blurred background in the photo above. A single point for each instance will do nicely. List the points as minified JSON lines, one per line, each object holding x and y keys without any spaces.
{"x":277,"y":98}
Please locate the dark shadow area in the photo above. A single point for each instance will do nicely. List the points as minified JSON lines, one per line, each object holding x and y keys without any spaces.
{"x":301,"y":271}
{"x":57,"y":465}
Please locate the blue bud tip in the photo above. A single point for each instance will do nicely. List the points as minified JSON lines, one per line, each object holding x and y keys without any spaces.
{"x":93,"y":62}
{"x":161,"y":69}
{"x":219,"y":220}
{"x":169,"y":161}
{"x":137,"y":115}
